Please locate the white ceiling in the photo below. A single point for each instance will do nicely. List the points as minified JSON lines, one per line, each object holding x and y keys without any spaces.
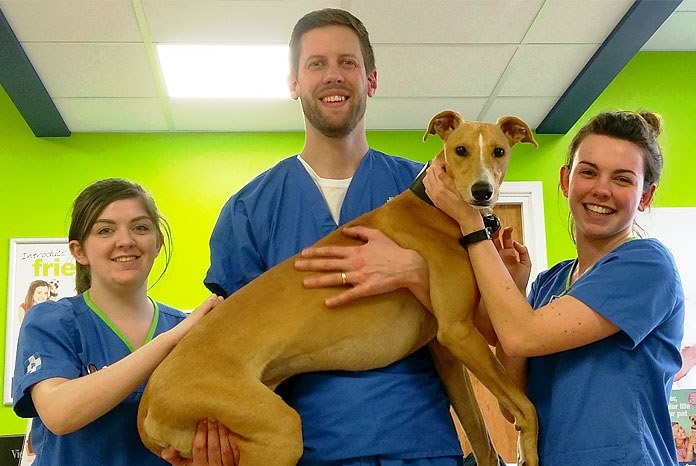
{"x":484,"y":58}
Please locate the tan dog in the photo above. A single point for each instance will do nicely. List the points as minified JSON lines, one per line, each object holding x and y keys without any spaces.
{"x":228,"y":365}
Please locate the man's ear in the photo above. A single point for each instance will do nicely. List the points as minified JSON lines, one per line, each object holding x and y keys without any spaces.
{"x":565,"y":179}
{"x":292,"y":85}
{"x":77,"y":252}
{"x":372,"y":84}
{"x":647,"y":197}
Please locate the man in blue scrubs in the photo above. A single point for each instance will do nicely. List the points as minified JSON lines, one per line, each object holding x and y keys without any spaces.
{"x":393,"y":416}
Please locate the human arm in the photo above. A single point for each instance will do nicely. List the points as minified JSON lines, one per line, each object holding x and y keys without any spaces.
{"x":517,"y":262}
{"x":375,"y":267}
{"x":66,"y":405}
{"x":563,"y":324}
{"x":234,"y":256}
{"x":379,"y":265}
{"x":688,"y":354}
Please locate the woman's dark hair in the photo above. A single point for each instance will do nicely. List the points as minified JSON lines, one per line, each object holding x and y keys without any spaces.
{"x":92,"y":201}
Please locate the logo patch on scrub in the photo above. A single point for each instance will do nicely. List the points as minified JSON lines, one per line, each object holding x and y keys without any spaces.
{"x":33,"y":363}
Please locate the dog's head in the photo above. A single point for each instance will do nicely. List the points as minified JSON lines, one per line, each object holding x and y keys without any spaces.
{"x":53,"y":288}
{"x":692,"y":422}
{"x":477,"y":154}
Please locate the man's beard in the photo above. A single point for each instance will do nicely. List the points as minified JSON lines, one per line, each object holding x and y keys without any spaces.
{"x":314,"y":115}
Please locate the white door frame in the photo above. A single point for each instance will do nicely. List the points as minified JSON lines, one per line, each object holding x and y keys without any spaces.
{"x":529,"y":195}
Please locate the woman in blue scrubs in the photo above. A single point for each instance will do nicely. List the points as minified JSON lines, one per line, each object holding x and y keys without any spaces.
{"x":82,"y":362}
{"x":601,"y":332}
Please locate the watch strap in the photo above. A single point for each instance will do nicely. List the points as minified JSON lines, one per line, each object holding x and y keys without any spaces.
{"x":492,"y":225}
{"x":475,"y":237}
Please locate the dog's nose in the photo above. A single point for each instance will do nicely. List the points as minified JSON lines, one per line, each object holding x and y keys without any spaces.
{"x":482,"y":191}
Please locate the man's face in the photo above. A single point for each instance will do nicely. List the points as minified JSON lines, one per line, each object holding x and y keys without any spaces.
{"x":332,"y":83}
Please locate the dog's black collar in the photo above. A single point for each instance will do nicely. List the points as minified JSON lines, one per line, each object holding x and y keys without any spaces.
{"x":490,"y":221}
{"x":417,"y":186}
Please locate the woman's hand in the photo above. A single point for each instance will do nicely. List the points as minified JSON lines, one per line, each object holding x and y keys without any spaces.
{"x":515,"y":257}
{"x":442,"y":191}
{"x":212,"y":446}
{"x":688,"y":354}
{"x":375,"y":267}
{"x":178,"y":332}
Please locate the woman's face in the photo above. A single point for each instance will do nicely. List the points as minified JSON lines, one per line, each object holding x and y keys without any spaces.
{"x":679,"y":432}
{"x":41,"y":294}
{"x":604,"y":186}
{"x":120,"y":247}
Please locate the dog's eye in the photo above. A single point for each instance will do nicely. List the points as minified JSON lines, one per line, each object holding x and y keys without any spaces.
{"x":460,"y":150}
{"x":498,"y":152}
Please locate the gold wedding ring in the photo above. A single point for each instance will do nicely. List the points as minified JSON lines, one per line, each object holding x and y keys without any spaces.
{"x":344,"y":278}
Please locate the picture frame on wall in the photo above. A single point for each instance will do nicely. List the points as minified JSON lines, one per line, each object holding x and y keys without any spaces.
{"x":39,"y":269}
{"x":659,"y":222}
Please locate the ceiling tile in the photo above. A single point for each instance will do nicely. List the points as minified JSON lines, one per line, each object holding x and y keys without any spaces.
{"x":112,"y":115}
{"x":677,"y":33}
{"x":236,"y":115}
{"x":530,"y":109}
{"x":687,"y":5}
{"x":72,"y":20}
{"x":414,"y":114}
{"x":93,"y":69}
{"x":573,"y":21}
{"x":446,"y":21}
{"x":545,"y":70}
{"x":445,"y":70}
{"x":236,"y":22}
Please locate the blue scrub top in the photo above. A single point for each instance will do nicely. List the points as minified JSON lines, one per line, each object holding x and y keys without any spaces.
{"x":400,"y":411}
{"x":63,"y":339}
{"x":606,"y":403}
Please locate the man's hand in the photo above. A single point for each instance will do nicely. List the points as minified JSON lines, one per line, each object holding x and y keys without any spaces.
{"x":378,"y":266}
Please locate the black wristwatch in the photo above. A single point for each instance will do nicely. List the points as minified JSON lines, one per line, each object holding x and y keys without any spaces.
{"x":492,"y":224}
{"x":475,"y":237}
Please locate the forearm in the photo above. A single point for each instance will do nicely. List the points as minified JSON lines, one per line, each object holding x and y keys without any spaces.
{"x":507,"y":308}
{"x":68,"y":405}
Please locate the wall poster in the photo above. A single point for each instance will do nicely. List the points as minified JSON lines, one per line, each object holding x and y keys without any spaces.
{"x":40,"y":269}
{"x":669,"y":224}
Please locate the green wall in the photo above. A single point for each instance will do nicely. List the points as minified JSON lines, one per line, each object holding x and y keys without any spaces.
{"x":191,"y":175}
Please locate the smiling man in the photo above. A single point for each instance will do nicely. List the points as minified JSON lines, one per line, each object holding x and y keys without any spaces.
{"x":391,"y":416}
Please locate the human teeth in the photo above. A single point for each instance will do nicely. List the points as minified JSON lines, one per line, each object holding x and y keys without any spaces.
{"x":334,"y":98}
{"x":598,"y":209}
{"x":124,"y":259}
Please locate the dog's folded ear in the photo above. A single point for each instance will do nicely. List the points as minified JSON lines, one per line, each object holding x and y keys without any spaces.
{"x":516,"y":130}
{"x":443,"y":124}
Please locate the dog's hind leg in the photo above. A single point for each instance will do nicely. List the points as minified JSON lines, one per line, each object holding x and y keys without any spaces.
{"x":267,"y":431}
{"x":264,"y":428}
{"x":461,"y":395}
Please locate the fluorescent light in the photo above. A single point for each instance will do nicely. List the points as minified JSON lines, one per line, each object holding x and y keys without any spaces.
{"x":225,"y":71}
